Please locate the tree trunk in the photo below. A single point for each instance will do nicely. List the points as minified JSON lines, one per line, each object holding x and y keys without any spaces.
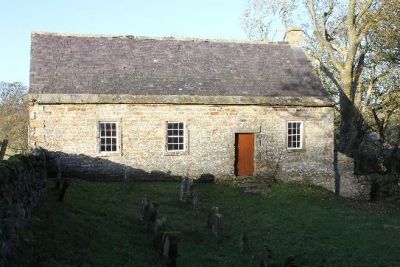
{"x":3,"y":148}
{"x":393,"y":157}
{"x":349,"y":119}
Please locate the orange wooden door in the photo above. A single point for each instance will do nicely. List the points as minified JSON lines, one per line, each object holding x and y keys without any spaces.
{"x":244,"y":162}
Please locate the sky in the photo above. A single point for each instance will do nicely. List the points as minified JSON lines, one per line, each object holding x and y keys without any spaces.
{"x":214,"y":19}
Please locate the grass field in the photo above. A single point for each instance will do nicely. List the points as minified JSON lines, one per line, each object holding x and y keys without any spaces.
{"x":97,"y":225}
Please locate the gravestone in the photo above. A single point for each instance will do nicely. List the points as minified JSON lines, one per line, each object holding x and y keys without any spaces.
{"x":218,"y":226}
{"x":165,"y":247}
{"x":289,"y":262}
{"x":210,"y":218}
{"x":160,"y":225}
{"x":160,"y":247}
{"x":59,"y":179}
{"x":243,"y":243}
{"x":144,"y":208}
{"x":63,"y":190}
{"x":125,"y":182}
{"x":186,"y":189}
{"x":170,"y":250}
{"x":150,"y":218}
{"x":159,"y":230}
{"x":195,"y":205}
{"x":265,"y":257}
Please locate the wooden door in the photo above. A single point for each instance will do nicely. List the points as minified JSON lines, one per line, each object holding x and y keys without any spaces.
{"x":244,"y":161}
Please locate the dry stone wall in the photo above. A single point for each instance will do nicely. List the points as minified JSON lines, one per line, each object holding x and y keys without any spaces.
{"x":348,"y":184}
{"x":71,"y":130}
{"x":22,"y":187}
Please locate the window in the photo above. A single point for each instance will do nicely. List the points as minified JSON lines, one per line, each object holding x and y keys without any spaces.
{"x":108,"y":137}
{"x":294,"y":134}
{"x":175,"y":136}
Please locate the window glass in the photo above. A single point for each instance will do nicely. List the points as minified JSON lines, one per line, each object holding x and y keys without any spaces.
{"x":108,"y":136}
{"x":294,"y":134}
{"x":175,"y":136}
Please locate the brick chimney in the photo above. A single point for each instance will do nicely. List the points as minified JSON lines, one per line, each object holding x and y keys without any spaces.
{"x":294,"y":36}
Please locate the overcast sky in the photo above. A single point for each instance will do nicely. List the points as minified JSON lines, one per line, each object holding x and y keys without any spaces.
{"x":181,"y":18}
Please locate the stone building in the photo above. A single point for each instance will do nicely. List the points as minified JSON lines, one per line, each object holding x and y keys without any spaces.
{"x":117,"y":106}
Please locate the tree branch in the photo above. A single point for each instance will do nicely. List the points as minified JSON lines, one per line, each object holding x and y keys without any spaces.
{"x":351,"y":19}
{"x":372,"y":80}
{"x":356,"y":85}
{"x":364,"y":10}
{"x":323,"y":38}
{"x":327,"y":71}
{"x":379,"y":124}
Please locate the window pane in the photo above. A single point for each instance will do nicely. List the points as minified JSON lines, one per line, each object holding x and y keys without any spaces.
{"x":180,"y":132}
{"x":102,"y":141}
{"x":175,"y":146}
{"x":114,"y":148}
{"x":180,"y":140}
{"x":180,"y":125}
{"x":181,"y":147}
{"x":113,"y":126}
{"x":170,"y":147}
{"x":102,"y":148}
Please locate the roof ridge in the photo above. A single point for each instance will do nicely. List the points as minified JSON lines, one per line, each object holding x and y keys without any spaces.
{"x":172,"y":38}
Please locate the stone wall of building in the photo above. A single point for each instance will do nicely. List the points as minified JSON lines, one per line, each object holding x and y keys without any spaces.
{"x":22,"y":187}
{"x":72,"y":131}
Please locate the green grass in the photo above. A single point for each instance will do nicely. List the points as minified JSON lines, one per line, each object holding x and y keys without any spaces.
{"x":97,"y":225}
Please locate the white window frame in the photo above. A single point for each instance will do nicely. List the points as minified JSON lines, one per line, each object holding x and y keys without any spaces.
{"x":301,"y":134}
{"x":176,"y":136}
{"x":116,"y":137}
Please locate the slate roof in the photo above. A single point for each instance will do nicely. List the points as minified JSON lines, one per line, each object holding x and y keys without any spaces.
{"x":79,"y":64}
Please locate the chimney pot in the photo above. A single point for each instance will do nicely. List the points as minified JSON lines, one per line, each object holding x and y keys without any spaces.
{"x":294,"y":36}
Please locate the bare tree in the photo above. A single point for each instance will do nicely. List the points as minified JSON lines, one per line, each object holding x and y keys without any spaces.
{"x":341,"y":32}
{"x":261,"y":18}
{"x":341,"y":41}
{"x":14,"y":115}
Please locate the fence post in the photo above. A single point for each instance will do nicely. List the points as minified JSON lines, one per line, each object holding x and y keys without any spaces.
{"x":3,"y":149}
